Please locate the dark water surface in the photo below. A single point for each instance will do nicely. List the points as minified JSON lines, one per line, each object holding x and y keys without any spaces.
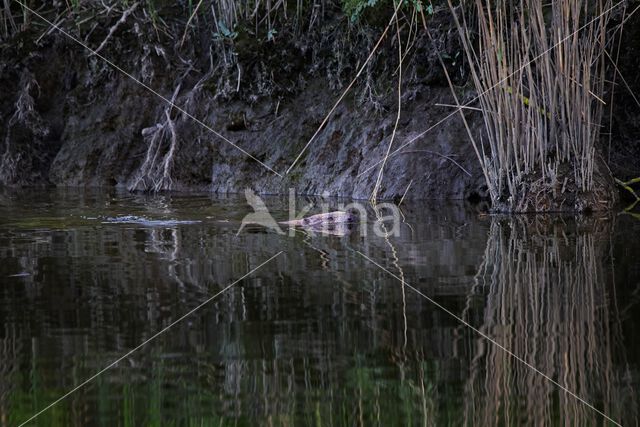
{"x":319,"y":336}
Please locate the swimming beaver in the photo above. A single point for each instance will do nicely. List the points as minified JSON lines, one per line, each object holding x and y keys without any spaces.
{"x":324,"y":219}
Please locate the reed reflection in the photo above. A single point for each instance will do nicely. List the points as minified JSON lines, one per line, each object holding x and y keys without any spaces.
{"x":547,"y":288}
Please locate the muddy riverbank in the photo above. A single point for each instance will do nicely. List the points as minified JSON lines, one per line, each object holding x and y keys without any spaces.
{"x":69,"y":118}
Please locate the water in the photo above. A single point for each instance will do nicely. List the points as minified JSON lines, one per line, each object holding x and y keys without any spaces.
{"x":320,"y":335}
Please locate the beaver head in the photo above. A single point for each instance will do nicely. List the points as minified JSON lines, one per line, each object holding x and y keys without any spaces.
{"x":353,"y":215}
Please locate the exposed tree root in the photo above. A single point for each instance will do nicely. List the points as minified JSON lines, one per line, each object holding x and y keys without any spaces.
{"x":25,"y":112}
{"x":28,"y":119}
{"x":113,"y":29}
{"x":155,"y":172}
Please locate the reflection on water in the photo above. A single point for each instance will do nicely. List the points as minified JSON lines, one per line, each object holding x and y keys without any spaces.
{"x":319,"y":336}
{"x":547,"y":297}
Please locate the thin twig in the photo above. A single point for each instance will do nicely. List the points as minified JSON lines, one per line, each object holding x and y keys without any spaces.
{"x":186,"y":27}
{"x":405,"y":193}
{"x":362,"y":68}
{"x":627,"y":186}
{"x":460,"y":107}
{"x":438,"y":154}
{"x":376,"y":188}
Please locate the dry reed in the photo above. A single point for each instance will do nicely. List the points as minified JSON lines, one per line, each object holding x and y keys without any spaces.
{"x":539,"y":70}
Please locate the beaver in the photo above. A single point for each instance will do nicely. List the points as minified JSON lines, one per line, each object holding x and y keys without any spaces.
{"x":324,"y":219}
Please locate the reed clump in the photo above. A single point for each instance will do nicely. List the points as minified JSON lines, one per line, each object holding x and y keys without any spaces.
{"x":539,"y":71}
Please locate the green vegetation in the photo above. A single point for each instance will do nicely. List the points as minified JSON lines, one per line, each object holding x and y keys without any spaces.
{"x":355,"y":8}
{"x":228,"y":16}
{"x":166,"y":394}
{"x":627,"y":185}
